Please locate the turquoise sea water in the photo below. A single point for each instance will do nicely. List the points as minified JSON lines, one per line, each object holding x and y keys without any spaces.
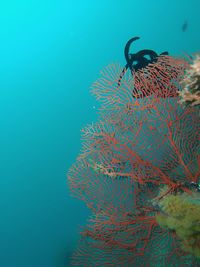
{"x":50,"y":53}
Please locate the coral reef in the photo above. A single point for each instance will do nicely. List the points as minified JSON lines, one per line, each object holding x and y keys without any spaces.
{"x":144,"y":141}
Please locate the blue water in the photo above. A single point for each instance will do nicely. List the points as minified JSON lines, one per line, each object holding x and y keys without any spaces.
{"x":50,"y":53}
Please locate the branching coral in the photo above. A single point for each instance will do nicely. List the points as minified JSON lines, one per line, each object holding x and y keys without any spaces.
{"x":190,"y":95}
{"x":180,"y":212}
{"x":144,"y":140}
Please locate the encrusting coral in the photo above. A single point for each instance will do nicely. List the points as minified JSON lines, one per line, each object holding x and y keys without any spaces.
{"x":180,"y":213}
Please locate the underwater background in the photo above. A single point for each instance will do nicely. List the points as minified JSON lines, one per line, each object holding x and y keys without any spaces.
{"x":50,"y":53}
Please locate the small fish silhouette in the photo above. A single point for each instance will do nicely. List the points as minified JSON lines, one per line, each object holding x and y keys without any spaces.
{"x":185,"y":26}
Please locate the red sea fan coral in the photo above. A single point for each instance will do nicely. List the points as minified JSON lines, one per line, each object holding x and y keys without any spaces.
{"x":144,"y":143}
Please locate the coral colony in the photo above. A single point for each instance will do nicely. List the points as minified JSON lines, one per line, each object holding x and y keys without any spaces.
{"x":190,"y":94}
{"x":139,"y":168}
